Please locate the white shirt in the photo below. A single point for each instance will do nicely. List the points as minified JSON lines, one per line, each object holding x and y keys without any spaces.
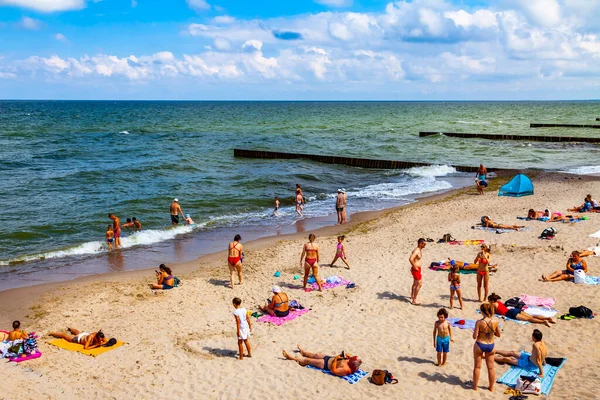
{"x":241,"y":314}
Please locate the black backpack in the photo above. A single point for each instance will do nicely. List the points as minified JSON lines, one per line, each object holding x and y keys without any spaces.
{"x":548,"y":233}
{"x":581,"y":312}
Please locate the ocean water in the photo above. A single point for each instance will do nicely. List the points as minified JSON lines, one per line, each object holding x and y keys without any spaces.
{"x":65,"y":165}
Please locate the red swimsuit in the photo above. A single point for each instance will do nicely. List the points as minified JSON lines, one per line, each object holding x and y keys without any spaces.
{"x":234,"y":260}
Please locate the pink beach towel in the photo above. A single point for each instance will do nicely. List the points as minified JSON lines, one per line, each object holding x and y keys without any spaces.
{"x":325,"y":285}
{"x":538,"y":301}
{"x":280,"y":321}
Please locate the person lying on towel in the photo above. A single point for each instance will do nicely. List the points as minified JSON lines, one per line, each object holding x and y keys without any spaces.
{"x":488,"y":223}
{"x":88,"y":340}
{"x":448,"y":264}
{"x":341,"y":365}
{"x":525,"y":360}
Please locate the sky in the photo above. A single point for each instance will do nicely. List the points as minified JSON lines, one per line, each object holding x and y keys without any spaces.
{"x":300,"y":49}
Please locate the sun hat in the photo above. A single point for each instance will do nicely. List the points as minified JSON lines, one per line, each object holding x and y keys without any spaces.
{"x":175,"y":200}
{"x":343,"y":190}
{"x":276,"y":289}
{"x":187,"y":215}
{"x":339,"y":190}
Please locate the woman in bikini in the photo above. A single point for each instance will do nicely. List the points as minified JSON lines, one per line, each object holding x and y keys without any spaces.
{"x":483,"y":274}
{"x":311,"y":261}
{"x":574,"y":263}
{"x":485,"y":330}
{"x":234,"y":259}
{"x":454,"y":280}
{"x":164,"y":277}
{"x":516,"y":313}
{"x":88,"y":340}
{"x":340,"y":252}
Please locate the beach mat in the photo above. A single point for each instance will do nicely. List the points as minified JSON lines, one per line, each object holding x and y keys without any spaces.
{"x":460,"y":271}
{"x":469,"y":323}
{"x":498,"y":230}
{"x":29,"y":357}
{"x":63,"y":344}
{"x":325,"y":285}
{"x":592,"y":280}
{"x":510,"y":377}
{"x":472,"y":242}
{"x":351,"y":379}
{"x":278,"y":321}
{"x":505,"y":318}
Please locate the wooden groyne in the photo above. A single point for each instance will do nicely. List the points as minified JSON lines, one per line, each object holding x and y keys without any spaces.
{"x":564,"y":126}
{"x":529,"y":138}
{"x":597,"y":119}
{"x":350,"y":161}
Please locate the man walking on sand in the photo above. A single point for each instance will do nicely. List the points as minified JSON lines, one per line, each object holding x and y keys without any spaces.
{"x":415,"y":260}
{"x":340,"y":206}
{"x":175,"y":211}
{"x":116,"y":229}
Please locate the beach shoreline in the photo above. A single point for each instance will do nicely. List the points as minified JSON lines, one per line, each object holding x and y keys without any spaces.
{"x":374,"y":320}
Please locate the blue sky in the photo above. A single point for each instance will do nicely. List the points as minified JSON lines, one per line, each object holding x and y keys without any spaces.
{"x":300,"y":49}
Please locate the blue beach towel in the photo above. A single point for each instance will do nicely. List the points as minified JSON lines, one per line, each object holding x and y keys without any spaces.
{"x":592,"y":280}
{"x":351,"y":379}
{"x":510,"y":377}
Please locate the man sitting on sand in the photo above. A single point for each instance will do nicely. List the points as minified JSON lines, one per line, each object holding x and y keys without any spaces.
{"x":488,"y":223}
{"x":341,"y":365}
{"x":522,"y":359}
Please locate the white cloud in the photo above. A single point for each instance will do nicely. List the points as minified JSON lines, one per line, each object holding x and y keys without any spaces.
{"x":7,"y":75}
{"x":60,"y":37}
{"x":542,"y":12}
{"x":221,"y":44}
{"x":483,"y":19}
{"x":46,"y":5}
{"x":30,"y":24}
{"x":334,"y":3}
{"x":223,"y":19}
{"x":198,"y":5}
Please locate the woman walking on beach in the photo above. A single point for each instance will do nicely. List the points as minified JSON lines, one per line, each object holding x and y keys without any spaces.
{"x":234,"y":259}
{"x":485,"y":330}
{"x":311,"y":261}
{"x":483,"y":274}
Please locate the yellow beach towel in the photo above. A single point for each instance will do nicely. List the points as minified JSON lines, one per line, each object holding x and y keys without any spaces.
{"x":63,"y":344}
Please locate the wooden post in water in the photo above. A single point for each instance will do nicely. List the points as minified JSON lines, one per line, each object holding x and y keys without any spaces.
{"x":350,"y":161}
{"x":529,"y":138}
{"x":563,"y":126}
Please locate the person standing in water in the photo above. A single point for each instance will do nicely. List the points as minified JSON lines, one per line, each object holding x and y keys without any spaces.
{"x":175,"y":211}
{"x":299,"y":202}
{"x":415,"y":260}
{"x":481,"y":178}
{"x":276,"y":206}
{"x":116,"y":229}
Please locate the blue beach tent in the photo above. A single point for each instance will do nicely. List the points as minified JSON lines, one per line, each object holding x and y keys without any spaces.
{"x":518,"y":186}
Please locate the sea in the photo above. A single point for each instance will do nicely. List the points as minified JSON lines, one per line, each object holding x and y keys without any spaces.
{"x":65,"y":165}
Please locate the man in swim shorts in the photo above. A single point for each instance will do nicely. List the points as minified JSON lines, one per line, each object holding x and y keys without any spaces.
{"x":116,"y":229}
{"x":175,"y":211}
{"x":415,"y":260}
{"x":340,"y":206}
{"x":341,"y":365}
{"x":529,"y":361}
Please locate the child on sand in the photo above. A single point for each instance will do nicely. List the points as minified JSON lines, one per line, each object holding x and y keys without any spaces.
{"x":340,"y":252}
{"x":16,"y":333}
{"x":454,"y":280}
{"x":442,"y":336}
{"x":244,"y":327}
{"x":110,"y":237}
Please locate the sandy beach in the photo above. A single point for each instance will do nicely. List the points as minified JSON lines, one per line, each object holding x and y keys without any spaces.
{"x":181,"y":343}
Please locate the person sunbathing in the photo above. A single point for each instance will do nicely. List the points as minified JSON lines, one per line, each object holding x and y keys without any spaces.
{"x":341,"y":365}
{"x":532,"y":214}
{"x":462,"y":265}
{"x":516,"y":313}
{"x":16,"y":333}
{"x":573,"y":263}
{"x":529,"y":361}
{"x":488,"y":223}
{"x":88,"y":340}
{"x":593,"y":251}
{"x":279,"y":304}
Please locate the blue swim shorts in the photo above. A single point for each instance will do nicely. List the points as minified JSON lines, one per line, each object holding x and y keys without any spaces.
{"x":442,"y":344}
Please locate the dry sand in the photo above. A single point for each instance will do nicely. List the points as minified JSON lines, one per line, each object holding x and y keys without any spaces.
{"x":182,"y":342}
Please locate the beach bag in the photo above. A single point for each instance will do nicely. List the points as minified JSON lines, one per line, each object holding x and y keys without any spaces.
{"x":176,"y":281}
{"x":514,"y":302}
{"x":549,"y":233}
{"x":447,"y":238}
{"x":381,"y":377}
{"x":528,"y":385}
{"x":581,"y":312}
{"x":579,"y":276}
{"x":30,"y":344}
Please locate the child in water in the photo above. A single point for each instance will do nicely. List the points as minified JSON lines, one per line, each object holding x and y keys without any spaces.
{"x":454,"y":280}
{"x":340,"y":252}
{"x":244,"y":327}
{"x":442,"y":336}
{"x":110,"y":237}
